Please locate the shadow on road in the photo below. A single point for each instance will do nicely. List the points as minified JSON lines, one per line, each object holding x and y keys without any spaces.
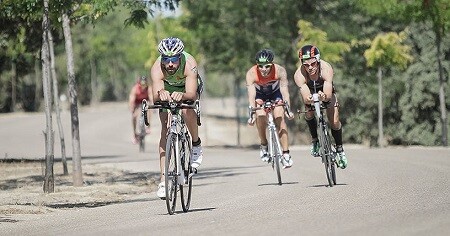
{"x":276,"y":184}
{"x":324,"y":185}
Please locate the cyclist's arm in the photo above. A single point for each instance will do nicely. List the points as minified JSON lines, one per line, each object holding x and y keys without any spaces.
{"x":157,"y":80}
{"x":132,"y":98}
{"x":191,"y":72}
{"x":284,"y":84}
{"x":300,"y":80}
{"x":251,"y":90}
{"x":150,"y":94}
{"x":327,"y":75}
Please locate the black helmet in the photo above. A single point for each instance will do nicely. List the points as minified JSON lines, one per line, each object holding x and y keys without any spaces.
{"x":264,"y":56}
{"x":309,"y":51}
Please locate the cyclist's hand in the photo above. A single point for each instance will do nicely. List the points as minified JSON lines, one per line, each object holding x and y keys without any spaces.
{"x":322,"y":96}
{"x":251,"y":120}
{"x":177,"y":96}
{"x":309,"y":100}
{"x":290,"y":115}
{"x":164,"y":95}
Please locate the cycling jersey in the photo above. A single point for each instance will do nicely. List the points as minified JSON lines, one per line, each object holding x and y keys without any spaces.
{"x":141,"y":93}
{"x":176,"y":82}
{"x":319,"y":83}
{"x":267,"y":88}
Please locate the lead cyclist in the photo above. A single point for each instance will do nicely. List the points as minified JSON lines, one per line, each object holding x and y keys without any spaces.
{"x":175,"y":78}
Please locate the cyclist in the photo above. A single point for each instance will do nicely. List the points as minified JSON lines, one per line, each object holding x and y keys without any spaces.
{"x":140,"y":91}
{"x":315,"y":69}
{"x":267,"y":80}
{"x":175,"y":78}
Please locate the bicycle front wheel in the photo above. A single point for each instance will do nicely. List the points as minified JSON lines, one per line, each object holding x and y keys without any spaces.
{"x":170,"y":173}
{"x":186,"y":187}
{"x":276,"y":153}
{"x":142,"y":134}
{"x":327,"y":153}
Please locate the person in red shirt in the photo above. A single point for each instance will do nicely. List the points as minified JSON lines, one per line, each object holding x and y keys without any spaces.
{"x":140,"y":91}
{"x":267,"y":80}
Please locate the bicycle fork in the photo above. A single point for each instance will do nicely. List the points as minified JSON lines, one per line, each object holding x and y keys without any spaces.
{"x":274,"y":147}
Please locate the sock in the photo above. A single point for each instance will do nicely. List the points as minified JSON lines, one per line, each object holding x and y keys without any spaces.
{"x":337,"y":135}
{"x":312,"y":125}
{"x":197,"y":143}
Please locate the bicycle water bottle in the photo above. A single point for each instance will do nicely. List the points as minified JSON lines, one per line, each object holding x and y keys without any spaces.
{"x":316,"y":103}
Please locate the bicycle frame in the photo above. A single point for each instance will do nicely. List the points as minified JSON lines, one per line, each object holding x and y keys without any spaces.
{"x":181,"y":173}
{"x":327,"y":153}
{"x":274,"y":144}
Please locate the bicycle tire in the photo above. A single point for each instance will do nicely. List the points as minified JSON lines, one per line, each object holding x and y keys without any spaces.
{"x":327,"y":152}
{"x":276,"y":153}
{"x":186,"y":187}
{"x":170,"y":170}
{"x":142,"y":134}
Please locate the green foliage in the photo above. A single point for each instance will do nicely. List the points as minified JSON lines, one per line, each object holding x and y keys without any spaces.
{"x":419,"y":103}
{"x":387,"y":49}
{"x":330,"y":51}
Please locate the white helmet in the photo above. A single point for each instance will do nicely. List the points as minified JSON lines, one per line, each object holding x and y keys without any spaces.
{"x":170,"y":46}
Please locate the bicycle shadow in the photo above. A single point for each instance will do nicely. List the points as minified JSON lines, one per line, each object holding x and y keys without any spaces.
{"x":276,"y":184}
{"x":192,"y":210}
{"x":324,"y":185}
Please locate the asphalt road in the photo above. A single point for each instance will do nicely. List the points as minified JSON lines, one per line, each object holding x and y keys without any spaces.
{"x":389,"y":191}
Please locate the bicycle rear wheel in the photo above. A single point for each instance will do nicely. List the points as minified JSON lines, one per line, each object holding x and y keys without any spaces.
{"x":170,"y":173}
{"x":186,"y":187}
{"x":276,"y":153}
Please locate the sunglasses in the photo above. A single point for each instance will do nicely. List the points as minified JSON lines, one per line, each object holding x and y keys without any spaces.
{"x":310,"y":64}
{"x":167,"y":60}
{"x":266,"y":66}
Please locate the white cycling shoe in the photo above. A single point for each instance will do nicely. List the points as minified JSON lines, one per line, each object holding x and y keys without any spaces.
{"x":161,"y":193}
{"x":197,"y":156}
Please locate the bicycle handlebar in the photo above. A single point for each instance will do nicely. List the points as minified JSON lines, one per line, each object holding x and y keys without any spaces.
{"x":172,"y":106}
{"x":268,"y":105}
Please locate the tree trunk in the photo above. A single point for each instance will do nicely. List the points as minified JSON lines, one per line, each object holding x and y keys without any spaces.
{"x":76,"y":156}
{"x":443,"y":108}
{"x":381,"y":142}
{"x":56,"y":103}
{"x":94,"y":83}
{"x":49,"y":181}
{"x":238,"y":118}
{"x":13,"y":85}
{"x":38,"y":87}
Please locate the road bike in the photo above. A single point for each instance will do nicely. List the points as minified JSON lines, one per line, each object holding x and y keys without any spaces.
{"x":177,"y":166}
{"x":274,"y":146}
{"x":326,"y":151}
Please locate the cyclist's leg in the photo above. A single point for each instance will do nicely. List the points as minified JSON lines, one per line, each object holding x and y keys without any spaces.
{"x":163,"y":117}
{"x":190,"y":118}
{"x":312,"y":126}
{"x":336,"y":130}
{"x":280,"y":123}
{"x":134,"y":118}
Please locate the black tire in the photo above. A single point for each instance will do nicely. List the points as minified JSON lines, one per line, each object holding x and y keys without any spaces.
{"x":327,"y":151}
{"x":170,"y":170}
{"x":276,"y":154}
{"x":186,"y":187}
{"x":142,"y":134}
{"x":142,"y":143}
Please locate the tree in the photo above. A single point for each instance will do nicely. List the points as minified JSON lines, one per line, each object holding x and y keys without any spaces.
{"x":49,"y":181}
{"x":386,"y":50}
{"x":435,"y":11}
